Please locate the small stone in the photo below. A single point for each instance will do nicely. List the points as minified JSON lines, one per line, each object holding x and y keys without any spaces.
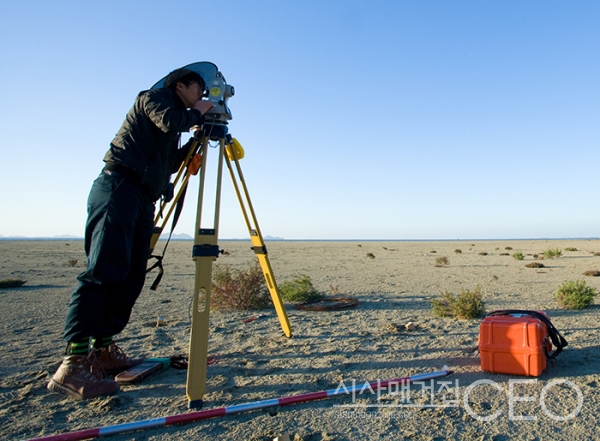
{"x":410,"y":326}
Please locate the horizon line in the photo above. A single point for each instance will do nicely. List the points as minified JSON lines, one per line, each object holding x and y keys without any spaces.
{"x":281,"y":239}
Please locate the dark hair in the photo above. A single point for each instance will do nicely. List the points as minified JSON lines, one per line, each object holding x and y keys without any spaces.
{"x":188,"y":79}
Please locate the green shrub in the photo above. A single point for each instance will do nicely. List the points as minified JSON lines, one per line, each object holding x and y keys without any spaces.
{"x":518,"y":256}
{"x":575,"y":294}
{"x":300,"y":289}
{"x":239,"y":289}
{"x":467,"y":305}
{"x":551,"y":253}
{"x":570,"y":249}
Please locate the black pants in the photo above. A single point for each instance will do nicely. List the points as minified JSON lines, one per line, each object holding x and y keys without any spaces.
{"x":117,"y":244}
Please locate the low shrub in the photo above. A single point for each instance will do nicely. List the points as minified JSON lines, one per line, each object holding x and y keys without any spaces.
{"x":518,"y":256}
{"x":441,"y":261}
{"x":11,"y":283}
{"x":234,"y":288}
{"x":300,"y":289}
{"x":467,"y":305}
{"x":535,"y":265}
{"x":571,"y":249}
{"x":575,"y":294}
{"x":593,"y":273}
{"x":551,"y":253}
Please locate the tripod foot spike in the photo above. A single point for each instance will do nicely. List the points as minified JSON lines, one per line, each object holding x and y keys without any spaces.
{"x":195,"y":404}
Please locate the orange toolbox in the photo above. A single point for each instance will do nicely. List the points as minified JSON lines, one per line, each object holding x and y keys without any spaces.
{"x":518,"y":342}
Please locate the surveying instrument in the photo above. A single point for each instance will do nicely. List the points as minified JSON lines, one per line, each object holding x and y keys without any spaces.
{"x":206,"y":249}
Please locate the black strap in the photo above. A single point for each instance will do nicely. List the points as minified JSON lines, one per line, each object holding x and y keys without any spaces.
{"x":178,"y":207}
{"x":557,"y":340}
{"x":159,"y":259}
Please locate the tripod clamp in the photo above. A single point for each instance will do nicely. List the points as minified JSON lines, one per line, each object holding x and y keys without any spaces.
{"x":206,"y":249}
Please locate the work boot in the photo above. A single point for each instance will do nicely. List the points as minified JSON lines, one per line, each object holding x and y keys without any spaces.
{"x":79,"y":377}
{"x":113,"y":360}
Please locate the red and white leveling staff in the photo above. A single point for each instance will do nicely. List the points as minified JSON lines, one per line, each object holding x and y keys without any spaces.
{"x":238,"y":408}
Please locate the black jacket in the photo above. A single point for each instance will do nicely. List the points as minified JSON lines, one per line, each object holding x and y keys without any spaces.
{"x":148,"y":139}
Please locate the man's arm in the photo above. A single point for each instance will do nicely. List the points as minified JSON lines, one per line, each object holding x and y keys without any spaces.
{"x":166,"y":116}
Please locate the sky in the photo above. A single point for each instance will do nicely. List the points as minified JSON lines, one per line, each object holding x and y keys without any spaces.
{"x":360,"y":119}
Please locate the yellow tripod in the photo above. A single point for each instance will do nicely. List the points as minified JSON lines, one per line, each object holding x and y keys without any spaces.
{"x":206,"y":250}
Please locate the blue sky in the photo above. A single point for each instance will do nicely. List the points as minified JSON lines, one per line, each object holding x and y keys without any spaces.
{"x":360,"y":119}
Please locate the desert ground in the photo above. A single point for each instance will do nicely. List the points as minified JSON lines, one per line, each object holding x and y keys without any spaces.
{"x":254,"y":361}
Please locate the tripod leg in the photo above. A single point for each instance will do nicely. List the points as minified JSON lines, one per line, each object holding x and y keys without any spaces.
{"x":258,"y":244}
{"x":204,"y":253}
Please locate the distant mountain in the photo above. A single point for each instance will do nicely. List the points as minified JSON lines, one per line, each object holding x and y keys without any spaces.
{"x":181,"y":236}
{"x":248,"y":238}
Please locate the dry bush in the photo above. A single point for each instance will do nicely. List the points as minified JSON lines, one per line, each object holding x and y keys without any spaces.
{"x":467,"y":305}
{"x":457,"y":251}
{"x":504,"y":254}
{"x":72,"y":262}
{"x":571,"y":249}
{"x":535,"y":265}
{"x":508,"y":248}
{"x":575,"y":294}
{"x":593,"y":273}
{"x":597,"y":254}
{"x":371,"y":255}
{"x":12,"y":283}
{"x":433,"y":252}
{"x":233,"y":288}
{"x":483,"y":253}
{"x":441,"y":261}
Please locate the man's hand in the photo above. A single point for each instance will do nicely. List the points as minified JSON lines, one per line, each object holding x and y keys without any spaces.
{"x":203,"y":106}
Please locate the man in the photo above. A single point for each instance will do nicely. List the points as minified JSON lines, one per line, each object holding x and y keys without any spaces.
{"x":119,"y":227}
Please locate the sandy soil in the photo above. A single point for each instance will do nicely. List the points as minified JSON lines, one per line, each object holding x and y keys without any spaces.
{"x":254,"y":361}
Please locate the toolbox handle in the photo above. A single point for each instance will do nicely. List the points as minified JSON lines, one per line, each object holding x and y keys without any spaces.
{"x":557,"y":340}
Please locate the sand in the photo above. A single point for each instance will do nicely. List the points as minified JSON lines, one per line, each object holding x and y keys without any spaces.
{"x":254,"y":361}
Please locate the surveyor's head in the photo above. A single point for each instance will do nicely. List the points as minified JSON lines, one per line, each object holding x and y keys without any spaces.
{"x":188,"y":85}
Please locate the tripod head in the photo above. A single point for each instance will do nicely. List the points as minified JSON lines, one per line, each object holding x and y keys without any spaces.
{"x":216,"y":119}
